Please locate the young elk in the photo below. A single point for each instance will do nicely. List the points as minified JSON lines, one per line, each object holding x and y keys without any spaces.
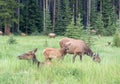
{"x":50,"y":53}
{"x":78,"y":47}
{"x":30,"y":56}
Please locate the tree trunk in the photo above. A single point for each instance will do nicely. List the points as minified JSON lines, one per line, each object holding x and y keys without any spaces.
{"x":44,"y":15}
{"x":0,"y":25}
{"x":73,"y":10}
{"x":37,"y":2}
{"x":76,"y":9}
{"x":119,"y":9}
{"x":18,"y":17}
{"x":88,"y":12}
{"x":54,"y":13}
{"x":101,"y":6}
{"x":6,"y":29}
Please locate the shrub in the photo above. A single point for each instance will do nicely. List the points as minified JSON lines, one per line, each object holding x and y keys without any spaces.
{"x":75,"y":30}
{"x":116,"y":39}
{"x":88,"y":37}
{"x":45,"y":43}
{"x":11,"y":40}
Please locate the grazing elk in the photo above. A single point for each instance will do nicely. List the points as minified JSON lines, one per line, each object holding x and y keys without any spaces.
{"x":23,"y":34}
{"x":52,"y":35}
{"x":93,"y":31}
{"x":78,"y":47}
{"x":30,"y":56}
{"x":50,"y":53}
{"x":64,"y":41}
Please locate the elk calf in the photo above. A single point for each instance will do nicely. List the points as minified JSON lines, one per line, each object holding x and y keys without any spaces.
{"x":50,"y":53}
{"x":30,"y":56}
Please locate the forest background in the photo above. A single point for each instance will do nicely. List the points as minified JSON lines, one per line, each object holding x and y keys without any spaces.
{"x":45,"y":16}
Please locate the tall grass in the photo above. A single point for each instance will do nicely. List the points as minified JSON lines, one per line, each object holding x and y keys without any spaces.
{"x":15,"y":71}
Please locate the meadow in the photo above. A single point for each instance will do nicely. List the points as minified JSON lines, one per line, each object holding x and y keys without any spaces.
{"x":15,"y":71}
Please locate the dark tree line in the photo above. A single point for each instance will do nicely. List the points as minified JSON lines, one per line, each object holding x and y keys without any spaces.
{"x":44,"y":16}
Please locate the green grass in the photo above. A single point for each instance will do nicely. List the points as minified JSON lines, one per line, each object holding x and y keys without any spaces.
{"x":15,"y":71}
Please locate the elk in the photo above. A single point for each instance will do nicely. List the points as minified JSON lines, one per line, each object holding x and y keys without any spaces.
{"x":50,"y":53}
{"x":23,"y":34}
{"x":30,"y":56}
{"x":1,"y":32}
{"x":64,"y":41}
{"x":93,"y":31}
{"x":78,"y":47}
{"x":52,"y":35}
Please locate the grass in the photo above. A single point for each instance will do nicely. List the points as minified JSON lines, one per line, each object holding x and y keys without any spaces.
{"x":15,"y":71}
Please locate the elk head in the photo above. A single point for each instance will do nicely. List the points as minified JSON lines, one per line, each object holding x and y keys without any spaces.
{"x":96,"y":58}
{"x":29,"y":55}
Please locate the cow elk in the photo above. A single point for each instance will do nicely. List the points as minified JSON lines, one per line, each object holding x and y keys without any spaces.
{"x":78,"y":47}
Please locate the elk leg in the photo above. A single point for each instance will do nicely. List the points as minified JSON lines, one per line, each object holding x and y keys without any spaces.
{"x":58,"y":59}
{"x":62,"y":57}
{"x":38,"y":64}
{"x":50,"y":59}
{"x":34,"y":60}
{"x":74,"y":58}
{"x":81,"y":57}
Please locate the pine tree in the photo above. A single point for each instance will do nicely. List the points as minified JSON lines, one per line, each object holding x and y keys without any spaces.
{"x":108,"y":13}
{"x":63,"y":16}
{"x":68,"y":14}
{"x":48,"y":26}
{"x":32,"y":11}
{"x":99,"y":25}
{"x":79,"y":27}
{"x":70,"y":29}
{"x":7,"y":12}
{"x":88,"y":37}
{"x":58,"y":19}
{"x":116,"y":39}
{"x":110,"y":30}
{"x":93,"y":15}
{"x":31,"y":17}
{"x":75,"y":31}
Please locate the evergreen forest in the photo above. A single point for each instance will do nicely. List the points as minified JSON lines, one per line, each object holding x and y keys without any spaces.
{"x":45,"y":16}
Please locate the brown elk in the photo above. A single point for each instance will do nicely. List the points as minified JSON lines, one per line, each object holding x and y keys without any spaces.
{"x":30,"y":56}
{"x":52,"y":35}
{"x":1,"y":32}
{"x":78,"y":47}
{"x":23,"y":34}
{"x":93,"y":31}
{"x":64,"y":41}
{"x":50,"y":53}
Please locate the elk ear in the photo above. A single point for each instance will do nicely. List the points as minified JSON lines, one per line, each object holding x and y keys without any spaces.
{"x":94,"y":54}
{"x":35,"y":50}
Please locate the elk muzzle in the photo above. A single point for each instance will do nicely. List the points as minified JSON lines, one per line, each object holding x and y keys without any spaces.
{"x":96,"y":59}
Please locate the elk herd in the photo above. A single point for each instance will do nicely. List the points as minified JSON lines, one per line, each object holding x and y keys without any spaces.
{"x":67,"y":45}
